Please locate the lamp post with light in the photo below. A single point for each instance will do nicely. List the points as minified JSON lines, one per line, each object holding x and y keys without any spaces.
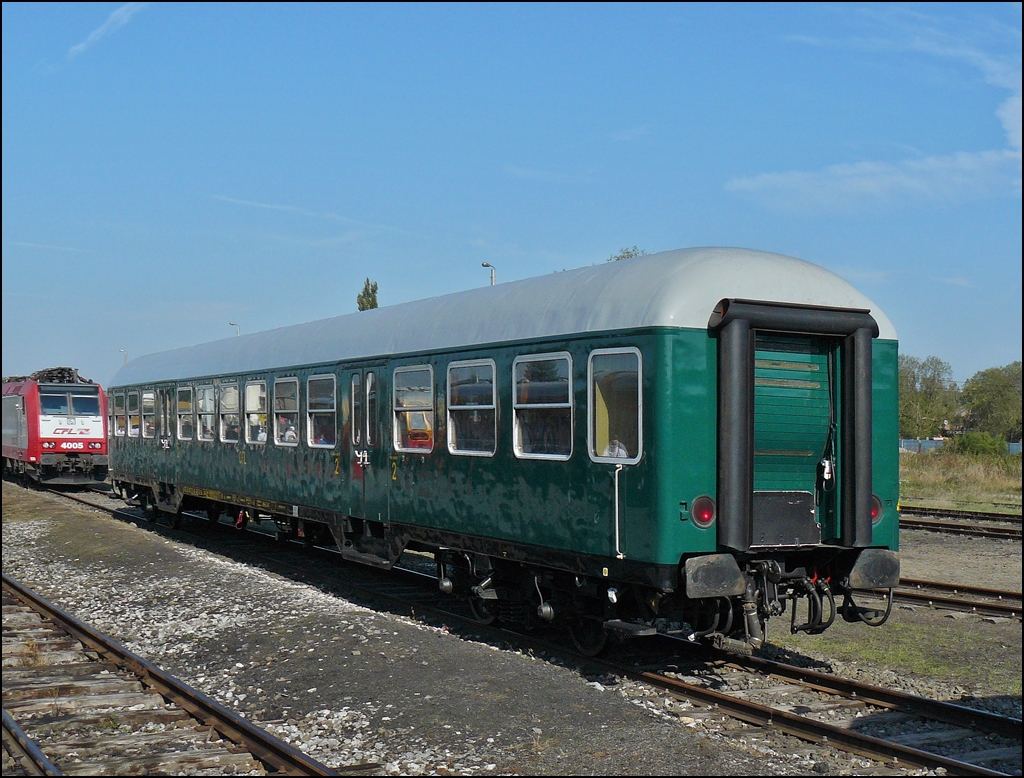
{"x":493,"y":272}
{"x":238,"y":330}
{"x":125,"y":355}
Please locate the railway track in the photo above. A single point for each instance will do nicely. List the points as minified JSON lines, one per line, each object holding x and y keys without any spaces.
{"x":88,"y":706}
{"x":885,"y":725}
{"x":817,"y":707}
{"x":977,"y":523}
{"x":952,"y":513}
{"x":968,"y":599}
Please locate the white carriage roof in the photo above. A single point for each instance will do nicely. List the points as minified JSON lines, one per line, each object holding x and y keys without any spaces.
{"x":669,"y":289}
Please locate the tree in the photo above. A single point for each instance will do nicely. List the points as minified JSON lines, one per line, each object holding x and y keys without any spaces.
{"x":367,"y":299}
{"x":928,"y":396}
{"x":627,"y":253}
{"x":992,"y":399}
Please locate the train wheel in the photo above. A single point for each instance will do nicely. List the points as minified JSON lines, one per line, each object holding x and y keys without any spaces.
{"x":588,"y":635}
{"x":483,"y":611}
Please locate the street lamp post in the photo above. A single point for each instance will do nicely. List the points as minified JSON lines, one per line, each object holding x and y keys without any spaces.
{"x":493,"y":272}
{"x":238,"y":330}
{"x":125,"y":355}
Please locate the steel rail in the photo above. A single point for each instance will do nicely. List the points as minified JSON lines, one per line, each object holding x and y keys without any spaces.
{"x":983,"y":608}
{"x":953,"y":513}
{"x":278,"y":756}
{"x":815,"y":731}
{"x":804,"y":727}
{"x":948,"y":712}
{"x":980,"y":530}
{"x":948,"y":596}
{"x":32,"y":759}
{"x":951,"y":588}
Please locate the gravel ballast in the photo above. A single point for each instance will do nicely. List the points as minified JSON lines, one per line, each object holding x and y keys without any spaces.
{"x":349,"y":684}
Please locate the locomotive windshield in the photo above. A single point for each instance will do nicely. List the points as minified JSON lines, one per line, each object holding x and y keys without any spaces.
{"x":54,"y":404}
{"x":78,"y":403}
{"x":85,"y":405}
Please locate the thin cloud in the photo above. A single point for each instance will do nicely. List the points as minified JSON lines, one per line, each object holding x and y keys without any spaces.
{"x":965,"y":174}
{"x":286,"y":208}
{"x":43,"y":246}
{"x":634,"y":133}
{"x":868,"y":276}
{"x":952,"y":281}
{"x":532,"y":173}
{"x":114,"y":22}
{"x":949,"y":177}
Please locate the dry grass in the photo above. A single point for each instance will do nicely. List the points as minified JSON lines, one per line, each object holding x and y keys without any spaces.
{"x":967,"y":480}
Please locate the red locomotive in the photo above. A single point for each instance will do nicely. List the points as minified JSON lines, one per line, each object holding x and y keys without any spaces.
{"x":55,"y":428}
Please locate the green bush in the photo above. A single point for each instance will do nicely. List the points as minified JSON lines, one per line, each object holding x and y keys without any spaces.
{"x":977,"y":443}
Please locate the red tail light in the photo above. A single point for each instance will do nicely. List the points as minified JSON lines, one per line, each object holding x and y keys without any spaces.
{"x":877,"y":511}
{"x":703,"y":512}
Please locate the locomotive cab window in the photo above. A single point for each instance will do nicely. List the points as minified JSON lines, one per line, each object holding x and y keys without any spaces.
{"x":321,"y":416}
{"x":206,"y":405}
{"x":229,"y":421}
{"x":542,"y":412}
{"x":615,"y":401}
{"x":414,"y":409}
{"x":54,"y":404}
{"x":85,"y":404}
{"x":185,"y":413}
{"x":472,"y":400}
{"x":120,"y":417}
{"x":256,"y":412}
{"x":133,"y":414}
{"x":286,"y":411}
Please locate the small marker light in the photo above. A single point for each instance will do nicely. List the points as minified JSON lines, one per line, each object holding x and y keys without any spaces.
{"x":876,"y":509}
{"x":703,"y":512}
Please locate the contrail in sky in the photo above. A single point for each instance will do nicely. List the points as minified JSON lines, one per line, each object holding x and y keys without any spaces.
{"x":115,"y":21}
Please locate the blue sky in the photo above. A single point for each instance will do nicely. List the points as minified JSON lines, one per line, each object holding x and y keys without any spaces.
{"x":168,"y":169}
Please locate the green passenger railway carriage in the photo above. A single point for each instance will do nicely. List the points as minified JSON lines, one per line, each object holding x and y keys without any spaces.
{"x":688,"y":442}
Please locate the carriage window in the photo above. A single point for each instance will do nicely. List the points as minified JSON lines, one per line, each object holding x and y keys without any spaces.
{"x":614,"y":396}
{"x":120,"y":417}
{"x":542,"y":422}
{"x":321,"y":419}
{"x":148,"y":414}
{"x":357,"y":409}
{"x":286,"y":411}
{"x":256,"y":412}
{"x":414,"y":409}
{"x":133,"y":414}
{"x":207,"y":407}
{"x":472,"y":421}
{"x":185,"y":413}
{"x":371,"y":410}
{"x":166,"y":412}
{"x":229,"y":421}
